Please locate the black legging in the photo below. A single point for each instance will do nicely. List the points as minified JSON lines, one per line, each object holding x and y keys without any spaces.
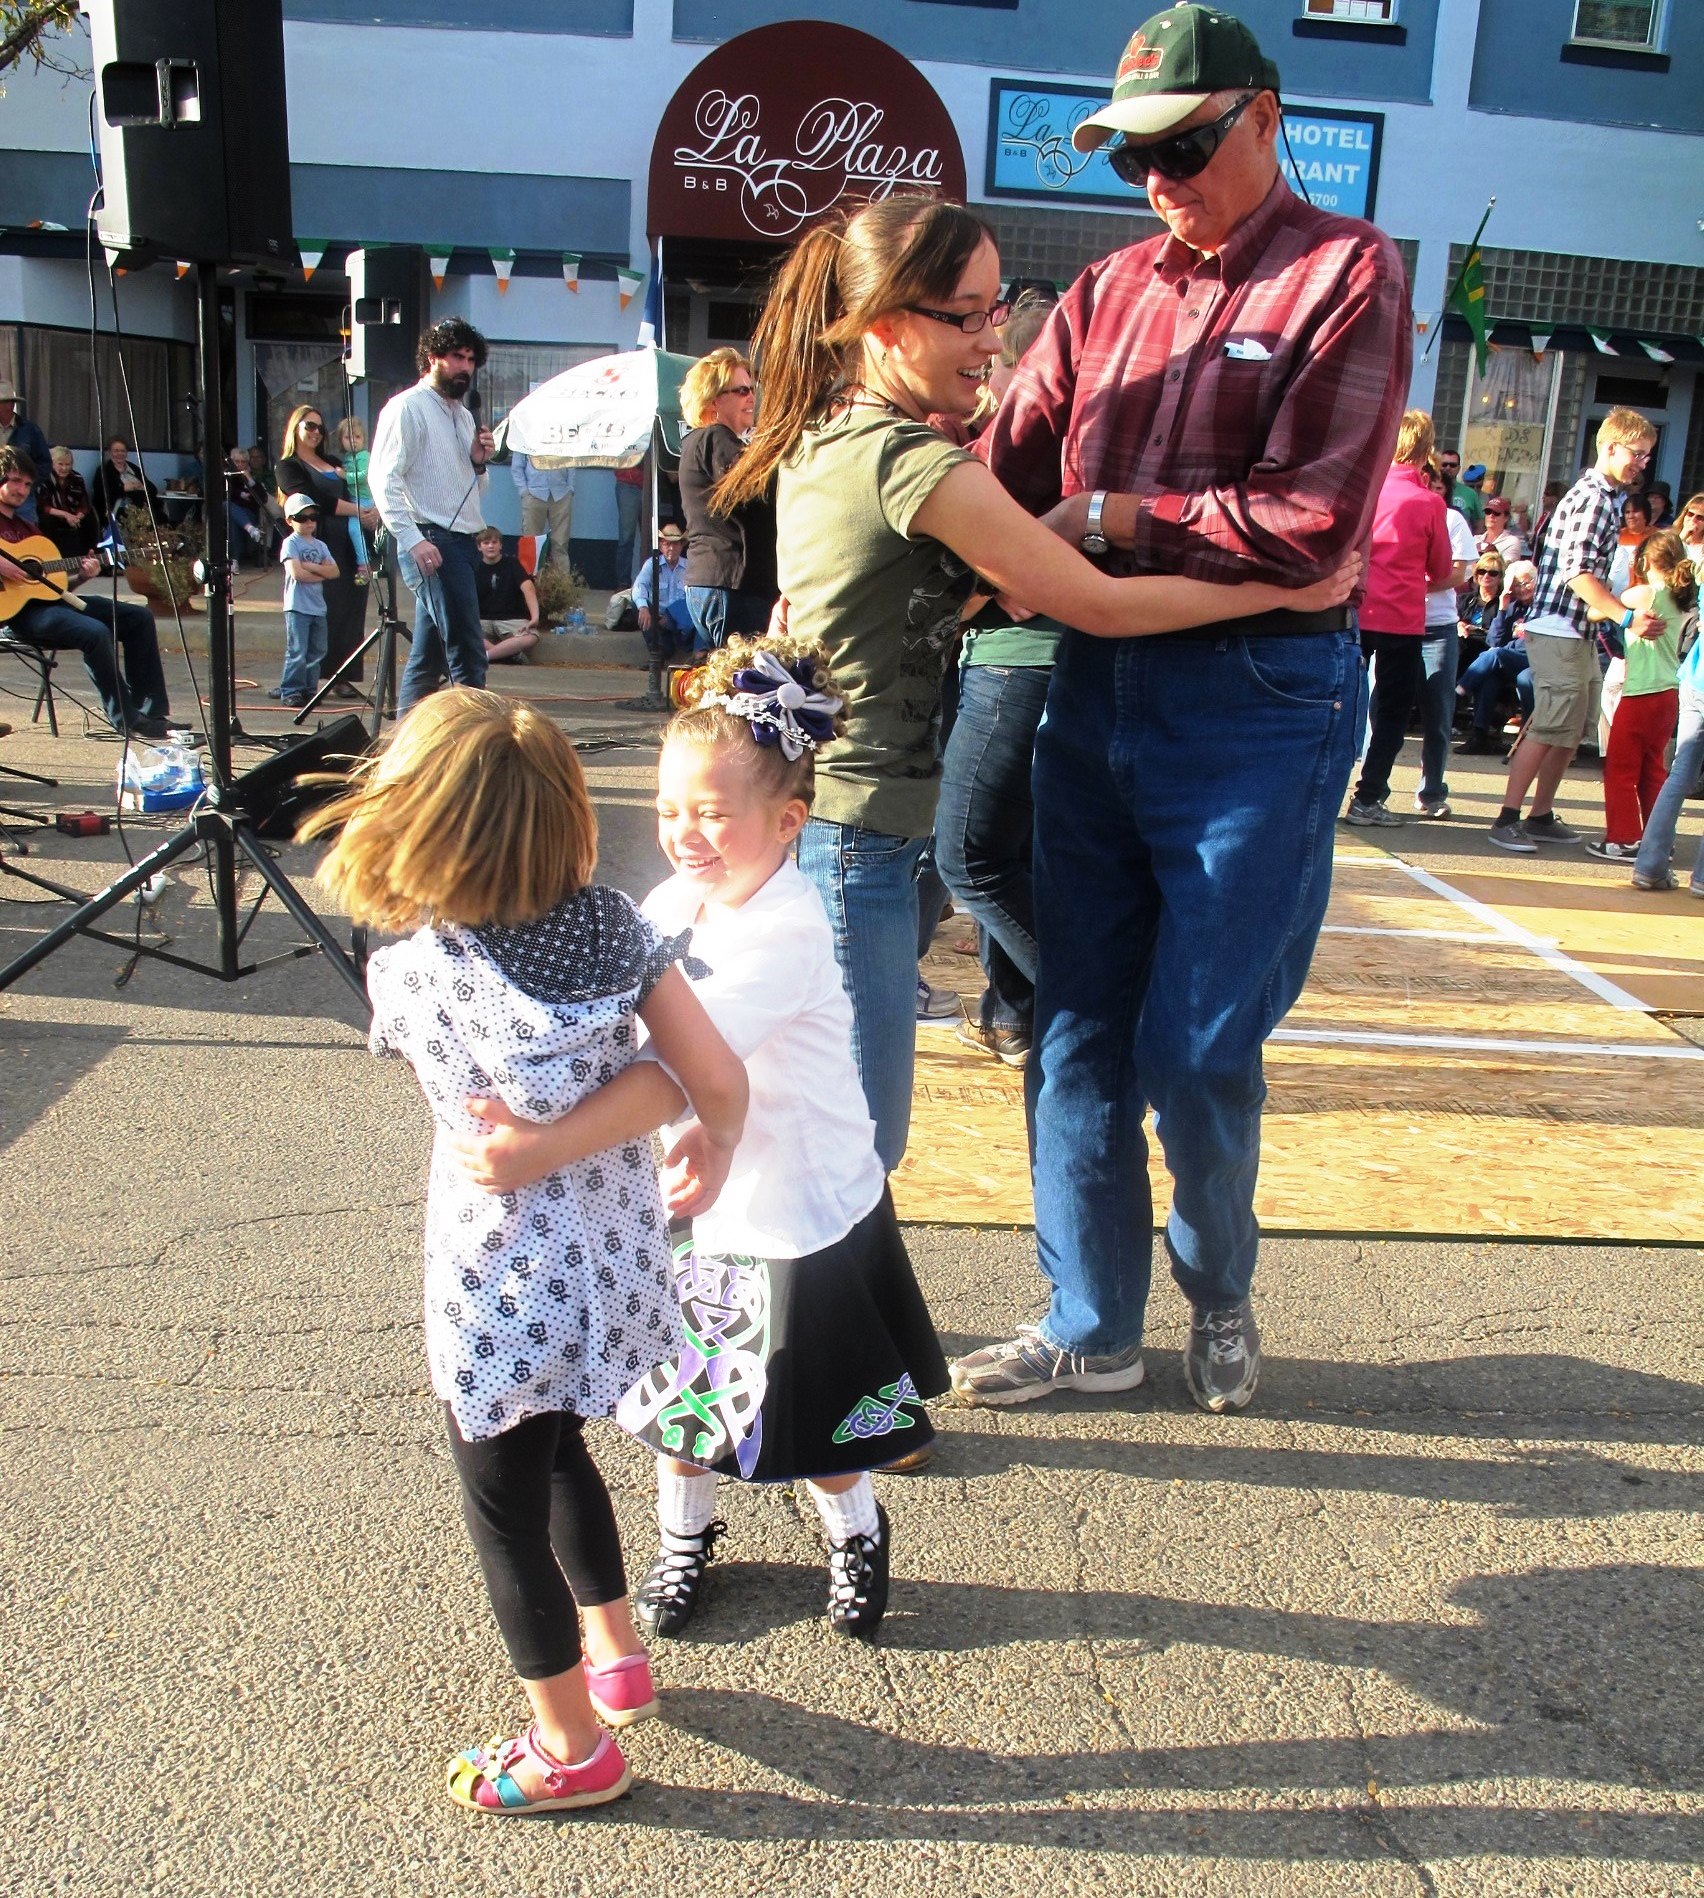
{"x":1398,"y":678}
{"x":544,"y":1531}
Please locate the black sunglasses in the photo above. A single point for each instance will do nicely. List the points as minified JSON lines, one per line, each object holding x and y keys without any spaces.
{"x":317,"y":427}
{"x":305,"y":514}
{"x":972,"y":322}
{"x":1182,"y":155}
{"x":740,"y":388}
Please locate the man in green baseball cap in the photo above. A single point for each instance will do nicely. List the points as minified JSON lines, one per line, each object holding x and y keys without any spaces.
{"x":1220,"y":402}
{"x":1171,"y":68}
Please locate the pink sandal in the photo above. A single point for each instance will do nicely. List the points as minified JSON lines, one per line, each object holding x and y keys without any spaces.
{"x":622,"y":1693}
{"x":480,"y":1778}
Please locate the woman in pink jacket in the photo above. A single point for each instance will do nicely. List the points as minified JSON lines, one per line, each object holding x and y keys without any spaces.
{"x":1410,"y":556}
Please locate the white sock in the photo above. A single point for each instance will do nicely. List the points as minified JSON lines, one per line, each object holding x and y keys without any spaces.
{"x":685,"y":1504}
{"x":851,"y":1512}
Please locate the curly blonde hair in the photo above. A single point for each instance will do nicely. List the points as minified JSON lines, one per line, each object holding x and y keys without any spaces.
{"x":475,"y":812}
{"x":710,"y":725}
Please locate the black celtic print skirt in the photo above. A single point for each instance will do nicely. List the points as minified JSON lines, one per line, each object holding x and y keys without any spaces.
{"x":795,"y":1367}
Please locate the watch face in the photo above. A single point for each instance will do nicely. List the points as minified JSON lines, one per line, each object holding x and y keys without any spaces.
{"x":1094,"y":543}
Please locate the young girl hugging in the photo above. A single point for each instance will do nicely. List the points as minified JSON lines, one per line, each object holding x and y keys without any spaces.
{"x":809,"y":1350}
{"x":1664,"y":585}
{"x":521,"y":983}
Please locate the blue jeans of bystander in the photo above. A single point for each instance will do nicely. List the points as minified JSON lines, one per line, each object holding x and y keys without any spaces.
{"x":304,"y":653}
{"x":1656,"y":847}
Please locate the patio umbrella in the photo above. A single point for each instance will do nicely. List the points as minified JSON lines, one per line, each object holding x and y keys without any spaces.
{"x":602,"y":413}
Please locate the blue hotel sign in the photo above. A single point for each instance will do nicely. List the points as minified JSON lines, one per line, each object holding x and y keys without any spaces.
{"x":1030,"y":154}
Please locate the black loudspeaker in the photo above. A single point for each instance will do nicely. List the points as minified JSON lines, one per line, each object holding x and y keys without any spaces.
{"x":387,"y":311}
{"x":194,"y":144}
{"x":273,"y":793}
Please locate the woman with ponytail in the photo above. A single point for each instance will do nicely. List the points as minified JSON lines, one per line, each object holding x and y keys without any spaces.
{"x":885,"y":533}
{"x":1664,"y":586}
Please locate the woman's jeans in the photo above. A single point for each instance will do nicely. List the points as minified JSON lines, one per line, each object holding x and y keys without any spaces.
{"x":1492,"y":675}
{"x":1185,"y":795}
{"x":1657,"y":846}
{"x":1438,"y":652}
{"x":984,"y":825}
{"x":447,"y":635}
{"x":867,"y":882}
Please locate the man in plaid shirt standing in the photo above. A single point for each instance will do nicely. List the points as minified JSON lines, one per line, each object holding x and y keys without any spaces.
{"x":1221,"y":402}
{"x":1573,"y":590}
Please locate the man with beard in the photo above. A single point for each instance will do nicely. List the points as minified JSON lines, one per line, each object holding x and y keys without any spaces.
{"x":427,"y":469}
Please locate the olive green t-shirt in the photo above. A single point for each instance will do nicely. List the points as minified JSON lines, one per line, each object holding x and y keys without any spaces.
{"x":885,"y":607}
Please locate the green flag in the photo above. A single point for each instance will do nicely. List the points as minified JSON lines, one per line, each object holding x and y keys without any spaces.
{"x":1469,"y":299}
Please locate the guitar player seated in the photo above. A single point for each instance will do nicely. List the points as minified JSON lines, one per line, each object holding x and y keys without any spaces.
{"x":39,"y":607}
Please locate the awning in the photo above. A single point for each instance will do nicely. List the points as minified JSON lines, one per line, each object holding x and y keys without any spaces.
{"x":1635,"y":346}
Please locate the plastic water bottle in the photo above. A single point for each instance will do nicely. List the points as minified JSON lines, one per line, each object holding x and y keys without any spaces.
{"x":577,"y":621}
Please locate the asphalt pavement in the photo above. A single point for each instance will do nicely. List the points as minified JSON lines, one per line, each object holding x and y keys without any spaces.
{"x":1425,"y":1619}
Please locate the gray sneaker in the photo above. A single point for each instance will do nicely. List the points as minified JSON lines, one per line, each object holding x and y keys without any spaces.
{"x":1508,"y":835}
{"x":1371,"y":816}
{"x":1549,"y":829}
{"x":1026,"y":1367}
{"x":1222,"y":1364}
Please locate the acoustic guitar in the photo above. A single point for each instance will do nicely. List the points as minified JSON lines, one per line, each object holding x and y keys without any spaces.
{"x":40,"y":559}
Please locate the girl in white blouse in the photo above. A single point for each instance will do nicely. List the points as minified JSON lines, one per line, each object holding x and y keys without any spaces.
{"x":809,"y":1350}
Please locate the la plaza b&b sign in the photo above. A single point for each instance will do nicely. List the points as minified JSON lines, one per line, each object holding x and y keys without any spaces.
{"x":782,"y":125}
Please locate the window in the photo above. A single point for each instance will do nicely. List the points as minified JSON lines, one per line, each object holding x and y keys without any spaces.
{"x":1353,"y":12}
{"x":61,"y":383}
{"x":1632,"y":23}
{"x":516,"y":369}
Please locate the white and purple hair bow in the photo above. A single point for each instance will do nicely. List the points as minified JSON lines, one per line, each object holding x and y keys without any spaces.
{"x":780,"y":704}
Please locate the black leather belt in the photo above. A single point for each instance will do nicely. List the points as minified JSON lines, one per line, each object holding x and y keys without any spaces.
{"x":1281,"y":621}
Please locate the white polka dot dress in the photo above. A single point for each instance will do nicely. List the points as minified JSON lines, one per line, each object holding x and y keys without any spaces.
{"x":555,"y":1297}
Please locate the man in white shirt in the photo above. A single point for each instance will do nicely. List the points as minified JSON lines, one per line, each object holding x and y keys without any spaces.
{"x":427,"y":470}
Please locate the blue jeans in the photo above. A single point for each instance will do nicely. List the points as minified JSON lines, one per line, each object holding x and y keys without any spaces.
{"x":669,"y":632}
{"x":1438,"y":651}
{"x":984,"y":825}
{"x":304,"y":652}
{"x":447,"y":636}
{"x":1657,"y":845}
{"x":867,"y":882}
{"x":1494,"y":673}
{"x":1185,"y":797}
{"x":720,"y":614}
{"x":90,"y":630}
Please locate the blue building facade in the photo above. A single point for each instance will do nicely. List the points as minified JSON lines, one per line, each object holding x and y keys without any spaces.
{"x":473,"y":129}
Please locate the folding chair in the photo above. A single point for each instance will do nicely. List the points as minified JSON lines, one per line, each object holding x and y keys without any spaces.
{"x":41,"y":662}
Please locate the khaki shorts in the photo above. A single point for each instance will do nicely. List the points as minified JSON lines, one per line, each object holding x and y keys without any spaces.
{"x":1566,"y":685}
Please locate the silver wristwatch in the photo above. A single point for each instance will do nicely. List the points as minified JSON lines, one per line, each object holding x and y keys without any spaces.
{"x":1094,"y":541}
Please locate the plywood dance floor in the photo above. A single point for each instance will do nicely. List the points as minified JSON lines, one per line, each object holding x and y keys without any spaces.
{"x":1474,"y":1054}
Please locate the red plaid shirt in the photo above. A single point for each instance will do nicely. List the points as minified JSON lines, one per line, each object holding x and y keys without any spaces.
{"x":1251,"y":399}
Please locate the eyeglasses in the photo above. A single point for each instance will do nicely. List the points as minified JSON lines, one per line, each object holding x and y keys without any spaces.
{"x":305,"y":514}
{"x":972,"y":322}
{"x":318,"y":428}
{"x":740,"y":388}
{"x":1495,"y":572}
{"x":1182,"y":155}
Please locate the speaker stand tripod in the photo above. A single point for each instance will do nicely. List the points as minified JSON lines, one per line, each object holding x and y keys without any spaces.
{"x":225,"y":826}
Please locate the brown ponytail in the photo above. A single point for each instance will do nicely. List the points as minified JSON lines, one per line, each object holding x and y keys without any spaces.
{"x":1663,"y":556}
{"x":841,"y":278}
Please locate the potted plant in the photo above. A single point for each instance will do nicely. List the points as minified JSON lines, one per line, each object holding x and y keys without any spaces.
{"x":161,"y":565}
{"x":559,"y":592}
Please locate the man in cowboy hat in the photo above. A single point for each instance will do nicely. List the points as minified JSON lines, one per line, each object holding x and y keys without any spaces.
{"x":18,"y":431}
{"x":1221,"y":401}
{"x":659,"y":594}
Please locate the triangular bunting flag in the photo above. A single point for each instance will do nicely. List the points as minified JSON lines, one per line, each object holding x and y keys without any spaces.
{"x":438,"y":261}
{"x":1656,"y":353}
{"x":1540,"y":342}
{"x":310,"y":250}
{"x":571,"y":270}
{"x":627,"y":283}
{"x":502,"y":261}
{"x":183,"y":269}
{"x":1601,"y":339}
{"x":45,"y":224}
